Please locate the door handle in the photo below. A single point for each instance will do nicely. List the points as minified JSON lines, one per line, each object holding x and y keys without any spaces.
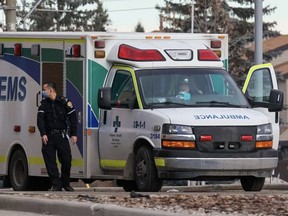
{"x":37,"y":99}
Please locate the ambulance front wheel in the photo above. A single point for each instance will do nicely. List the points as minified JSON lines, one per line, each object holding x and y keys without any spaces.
{"x":146,"y":173}
{"x":251,"y":183}
{"x":18,"y":171}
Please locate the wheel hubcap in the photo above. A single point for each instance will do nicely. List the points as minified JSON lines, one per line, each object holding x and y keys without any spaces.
{"x":18,"y":172}
{"x":141,"y":169}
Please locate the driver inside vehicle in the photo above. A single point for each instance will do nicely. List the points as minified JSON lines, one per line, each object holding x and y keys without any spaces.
{"x":184,"y":93}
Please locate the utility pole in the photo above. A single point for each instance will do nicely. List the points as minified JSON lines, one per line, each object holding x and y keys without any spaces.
{"x":10,"y":12}
{"x":192,"y":16}
{"x":258,"y":56}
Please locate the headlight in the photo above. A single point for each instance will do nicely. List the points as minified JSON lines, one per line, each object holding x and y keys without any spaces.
{"x":177,"y":129}
{"x":178,"y":136}
{"x":264,"y":129}
{"x":264,"y":137}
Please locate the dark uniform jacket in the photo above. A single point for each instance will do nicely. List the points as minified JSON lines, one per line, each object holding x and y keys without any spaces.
{"x":56,"y":115}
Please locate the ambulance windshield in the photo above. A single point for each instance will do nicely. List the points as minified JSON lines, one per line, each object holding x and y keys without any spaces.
{"x":166,"y":88}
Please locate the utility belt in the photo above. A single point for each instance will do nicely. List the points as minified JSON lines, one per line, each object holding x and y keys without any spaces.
{"x":62,"y":132}
{"x":57,"y":131}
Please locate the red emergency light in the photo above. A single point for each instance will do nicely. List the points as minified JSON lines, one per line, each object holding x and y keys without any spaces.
{"x":17,"y":128}
{"x":134,"y":54}
{"x":99,"y":44}
{"x":17,"y":49}
{"x":246,"y":138}
{"x":206,"y":138}
{"x":76,"y":50}
{"x":207,"y":55}
{"x":216,"y":44}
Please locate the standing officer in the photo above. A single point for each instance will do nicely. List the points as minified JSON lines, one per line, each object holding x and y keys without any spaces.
{"x":55,"y":116}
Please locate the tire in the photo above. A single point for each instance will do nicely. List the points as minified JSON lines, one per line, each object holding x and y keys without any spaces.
{"x":18,"y":171}
{"x":146,"y":173}
{"x":251,"y":183}
{"x":127,"y":185}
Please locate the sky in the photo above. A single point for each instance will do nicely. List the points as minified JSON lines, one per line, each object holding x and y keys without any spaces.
{"x":125,"y":14}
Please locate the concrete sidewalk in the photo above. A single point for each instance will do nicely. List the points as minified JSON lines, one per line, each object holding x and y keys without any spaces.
{"x":70,"y":208}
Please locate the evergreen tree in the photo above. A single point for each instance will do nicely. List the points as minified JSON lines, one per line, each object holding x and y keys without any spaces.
{"x":233,"y":17}
{"x":69,"y":15}
{"x":139,"y":28}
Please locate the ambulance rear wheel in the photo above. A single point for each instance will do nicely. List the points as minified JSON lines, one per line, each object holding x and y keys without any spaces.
{"x":251,"y":183}
{"x":18,"y":171}
{"x":146,"y":172}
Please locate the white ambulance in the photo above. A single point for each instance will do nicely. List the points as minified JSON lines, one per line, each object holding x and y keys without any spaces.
{"x":150,"y":107}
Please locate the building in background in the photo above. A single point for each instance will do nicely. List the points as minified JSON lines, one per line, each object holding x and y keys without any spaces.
{"x":280,"y":64}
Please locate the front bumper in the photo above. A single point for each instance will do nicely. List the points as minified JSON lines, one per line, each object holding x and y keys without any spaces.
{"x":183,"y":164}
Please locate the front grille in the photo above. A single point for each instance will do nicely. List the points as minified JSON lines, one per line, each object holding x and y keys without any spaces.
{"x":225,"y":139}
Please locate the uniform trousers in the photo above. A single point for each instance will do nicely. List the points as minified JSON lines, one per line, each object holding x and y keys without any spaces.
{"x":57,"y":145}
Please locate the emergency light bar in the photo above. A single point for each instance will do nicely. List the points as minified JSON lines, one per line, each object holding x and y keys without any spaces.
{"x":133,"y":54}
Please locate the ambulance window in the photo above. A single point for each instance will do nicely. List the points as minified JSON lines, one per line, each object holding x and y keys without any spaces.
{"x":221,"y":85}
{"x":260,"y":85}
{"x":122,"y":91}
{"x":161,"y":88}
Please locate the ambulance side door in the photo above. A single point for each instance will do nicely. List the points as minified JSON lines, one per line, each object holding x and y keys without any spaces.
{"x":116,"y":126}
{"x":261,"y":79}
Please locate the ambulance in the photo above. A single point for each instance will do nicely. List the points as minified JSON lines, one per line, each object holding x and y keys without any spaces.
{"x":136,"y":125}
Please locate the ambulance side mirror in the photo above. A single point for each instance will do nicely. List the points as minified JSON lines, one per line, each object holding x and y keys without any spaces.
{"x":104,"y":98}
{"x":275,"y":100}
{"x":275,"y":103}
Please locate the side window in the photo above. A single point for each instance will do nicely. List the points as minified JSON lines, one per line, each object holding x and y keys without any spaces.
{"x":221,"y":85}
{"x":122,"y":92}
{"x":260,"y":85}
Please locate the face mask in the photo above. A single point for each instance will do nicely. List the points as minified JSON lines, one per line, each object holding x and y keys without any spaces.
{"x":184,"y":96}
{"x":44,"y":94}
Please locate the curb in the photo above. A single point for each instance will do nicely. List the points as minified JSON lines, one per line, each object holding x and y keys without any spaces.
{"x":71,"y":208}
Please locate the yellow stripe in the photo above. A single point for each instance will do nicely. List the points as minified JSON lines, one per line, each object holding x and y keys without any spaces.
{"x":252,"y":69}
{"x":3,"y":159}
{"x":159,"y":162}
{"x":36,"y":161}
{"x":113,"y":163}
{"x":41,"y":40}
{"x":134,"y":82}
{"x":77,"y":163}
{"x":40,"y":161}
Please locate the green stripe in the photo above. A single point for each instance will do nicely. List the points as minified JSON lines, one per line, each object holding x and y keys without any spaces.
{"x":74,"y":71}
{"x":96,"y":76}
{"x":52,"y":55}
{"x":41,"y":40}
